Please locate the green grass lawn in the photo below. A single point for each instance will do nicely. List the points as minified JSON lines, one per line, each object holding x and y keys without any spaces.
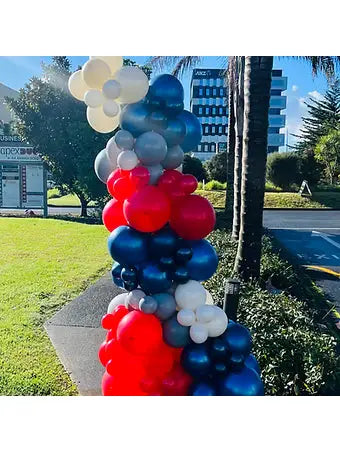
{"x":44,"y":263}
{"x":282,"y":200}
{"x":67,"y":200}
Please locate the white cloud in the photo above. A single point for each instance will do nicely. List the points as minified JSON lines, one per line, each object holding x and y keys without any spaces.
{"x":316,"y":95}
{"x":302,"y":101}
{"x":295,"y":88}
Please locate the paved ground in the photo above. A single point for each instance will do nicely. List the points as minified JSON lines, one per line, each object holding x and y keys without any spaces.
{"x":51,"y":211}
{"x":76,"y":334}
{"x":314,"y":238}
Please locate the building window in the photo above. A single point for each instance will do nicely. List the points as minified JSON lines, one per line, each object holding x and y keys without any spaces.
{"x":213,"y":147}
{"x":206,"y":148}
{"x":200,"y":111}
{"x":213,"y":130}
{"x":206,"y":129}
{"x":214,"y":92}
{"x":220,"y":129}
{"x":199,"y":148}
{"x":220,"y":110}
{"x":200,"y":92}
{"x":221,"y":92}
{"x":226,"y":129}
{"x":214,"y":111}
{"x":207,"y":92}
{"x":207,"y":110}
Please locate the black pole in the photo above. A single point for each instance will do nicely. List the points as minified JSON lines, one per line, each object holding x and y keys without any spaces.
{"x":231,"y":298}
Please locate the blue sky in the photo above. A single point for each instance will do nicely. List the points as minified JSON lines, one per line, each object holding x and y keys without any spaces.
{"x":16,"y":71}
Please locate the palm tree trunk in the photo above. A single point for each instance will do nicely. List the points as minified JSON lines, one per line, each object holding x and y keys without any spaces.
{"x":229,"y":199}
{"x":257,"y":81}
{"x":239,"y":112}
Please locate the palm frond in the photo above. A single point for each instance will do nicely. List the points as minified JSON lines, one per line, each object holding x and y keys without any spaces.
{"x":179,"y":64}
{"x":324,"y":64}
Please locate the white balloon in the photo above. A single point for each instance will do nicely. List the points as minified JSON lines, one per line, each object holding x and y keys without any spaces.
{"x":209,"y":300}
{"x":190,"y":295}
{"x":133,"y":298}
{"x":111,"y":89}
{"x":95,"y":73}
{"x":77,"y":86}
{"x":205,"y":313}
{"x":116,"y":301}
{"x":103,"y":167}
{"x":114,"y":63}
{"x":180,"y":168}
{"x":111,"y":108}
{"x":94,"y":98}
{"x":100,"y":122}
{"x":112,"y":151}
{"x":219,"y":324}
{"x":127,"y":160}
{"x":186,"y":317}
{"x":134,"y":84}
{"x":198,"y":333}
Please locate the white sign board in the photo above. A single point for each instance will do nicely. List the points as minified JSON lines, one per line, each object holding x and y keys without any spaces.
{"x":18,"y":153}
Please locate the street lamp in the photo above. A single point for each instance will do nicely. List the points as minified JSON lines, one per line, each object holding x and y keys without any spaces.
{"x":231,"y":298}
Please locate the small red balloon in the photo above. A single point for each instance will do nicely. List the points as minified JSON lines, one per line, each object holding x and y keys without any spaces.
{"x":140,"y":333}
{"x":176,"y":383}
{"x":188,"y":184}
{"x":102,"y":354}
{"x":169,"y":180}
{"x":147,"y":210}
{"x":123,"y":188}
{"x":116,"y":174}
{"x":120,"y":386}
{"x":113,"y":215}
{"x":107,"y":321}
{"x":192,"y":217}
{"x":140,"y":177}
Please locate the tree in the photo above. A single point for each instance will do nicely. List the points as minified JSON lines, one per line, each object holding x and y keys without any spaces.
{"x":323,"y":117}
{"x":327,"y":151}
{"x":257,"y":82}
{"x":194,"y":166}
{"x":283,"y":169}
{"x":55,"y":124}
{"x":216,"y":167}
{"x":229,"y":196}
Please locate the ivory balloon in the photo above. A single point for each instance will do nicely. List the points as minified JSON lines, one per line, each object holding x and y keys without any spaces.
{"x":198,"y":333}
{"x":134,"y":84}
{"x":111,"y":108}
{"x":103,"y":167}
{"x":100,"y":122}
{"x":127,"y":160}
{"x":190,"y":295}
{"x":205,"y":313}
{"x":111,"y":89}
{"x":95,"y":73}
{"x":114,"y":63}
{"x":116,"y":301}
{"x":94,"y":98}
{"x":112,"y":151}
{"x":77,"y":86}
{"x":209,"y":300}
{"x":186,"y":317}
{"x":219,"y":324}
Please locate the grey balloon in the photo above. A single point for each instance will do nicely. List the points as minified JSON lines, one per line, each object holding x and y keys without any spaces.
{"x":151,"y":148}
{"x":174,"y":334}
{"x":155,"y":173}
{"x":174,"y":157}
{"x":134,"y":297}
{"x":166,"y":305}
{"x":124,"y":140}
{"x":148,"y":305}
{"x":103,"y":166}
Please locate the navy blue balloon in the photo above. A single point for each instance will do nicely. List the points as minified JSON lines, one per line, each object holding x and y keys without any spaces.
{"x":244,"y":382}
{"x":167,"y":263}
{"x":180,"y":275}
{"x":128,"y":275}
{"x":220,"y":368}
{"x":163,"y":243}
{"x":166,"y":87}
{"x":173,"y":107}
{"x":153,"y":279}
{"x":238,"y":339}
{"x":219,"y":350}
{"x":128,"y":246}
{"x":193,"y":128}
{"x":174,"y":334}
{"x":252,"y":363}
{"x":134,"y":118}
{"x":183,"y":255}
{"x":158,"y":119}
{"x":119,"y":282}
{"x":175,"y":132}
{"x":130,"y":286}
{"x":204,"y":261}
{"x":237,"y":360}
{"x":196,"y":359}
{"x":202,"y":388}
{"x":116,"y":270}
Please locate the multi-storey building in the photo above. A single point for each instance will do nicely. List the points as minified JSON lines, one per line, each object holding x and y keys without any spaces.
{"x":209,"y":102}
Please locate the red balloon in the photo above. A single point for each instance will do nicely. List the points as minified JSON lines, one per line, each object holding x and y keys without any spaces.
{"x":123,"y":188}
{"x":161,"y":362}
{"x":117,"y":173}
{"x":151,"y":385}
{"x":113,"y":215}
{"x":147,"y":210}
{"x":192,"y":217}
{"x":111,"y":335}
{"x":188,"y":184}
{"x":122,"y":363}
{"x":169,"y":180}
{"x":140,"y":333}
{"x":107,"y":321}
{"x":102,"y":354}
{"x":176,"y":383}
{"x":119,"y":386}
{"x":140,"y":176}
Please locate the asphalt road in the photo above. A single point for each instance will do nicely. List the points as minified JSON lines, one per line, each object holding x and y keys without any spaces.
{"x":314,"y":238}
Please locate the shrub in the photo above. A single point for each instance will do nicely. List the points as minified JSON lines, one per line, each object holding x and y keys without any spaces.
{"x":194,"y":166}
{"x":217,"y":167}
{"x":309,"y":168}
{"x":215,"y":185}
{"x":295,"y":357}
{"x":270,"y":187}
{"x":283,"y":169}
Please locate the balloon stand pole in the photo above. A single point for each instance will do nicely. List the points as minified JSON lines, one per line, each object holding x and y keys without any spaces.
{"x":231,"y":298}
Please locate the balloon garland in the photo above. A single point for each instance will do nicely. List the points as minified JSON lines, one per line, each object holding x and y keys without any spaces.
{"x":164,"y":335}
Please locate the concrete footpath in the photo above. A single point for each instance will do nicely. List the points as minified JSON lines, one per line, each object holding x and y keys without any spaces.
{"x":76,"y":334}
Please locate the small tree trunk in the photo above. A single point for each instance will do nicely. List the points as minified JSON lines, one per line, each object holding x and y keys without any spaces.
{"x":239,"y":112}
{"x":83,"y":204}
{"x":257,"y":81}
{"x":230,"y":153}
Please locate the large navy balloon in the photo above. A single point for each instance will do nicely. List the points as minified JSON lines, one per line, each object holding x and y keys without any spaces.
{"x":174,"y":133}
{"x":196,"y":359}
{"x":127,"y":246}
{"x":193,"y":128}
{"x":245,"y":382}
{"x":135,"y":119}
{"x":152,"y":279}
{"x":163,"y":243}
{"x":252,"y":363}
{"x":238,"y":339}
{"x":219,"y":351}
{"x":166,"y":87}
{"x":174,"y":334}
{"x":204,"y":261}
{"x":202,"y":388}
